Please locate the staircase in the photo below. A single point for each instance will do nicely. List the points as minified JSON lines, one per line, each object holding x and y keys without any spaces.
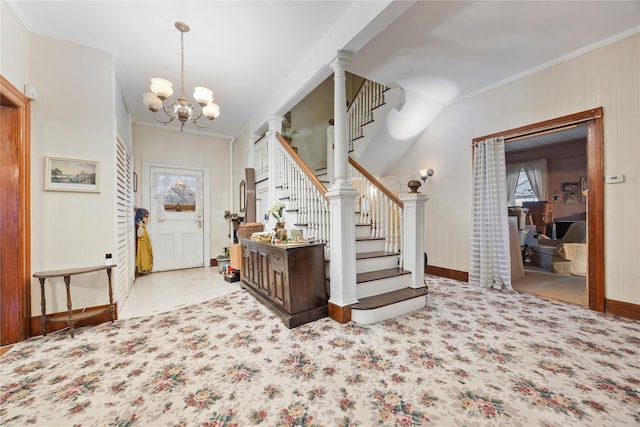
{"x":382,"y":286}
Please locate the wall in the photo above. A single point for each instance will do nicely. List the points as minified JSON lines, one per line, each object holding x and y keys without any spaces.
{"x":566,"y":162}
{"x":311,"y":118}
{"x":14,"y":48}
{"x":70,"y":229}
{"x":163,"y":145}
{"x":606,"y":77}
{"x":240,"y":156}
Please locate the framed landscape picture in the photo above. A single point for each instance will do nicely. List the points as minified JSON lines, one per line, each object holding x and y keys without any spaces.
{"x":72,"y":175}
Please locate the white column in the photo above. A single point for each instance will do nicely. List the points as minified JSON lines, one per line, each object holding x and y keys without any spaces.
{"x":341,"y":150}
{"x":330,"y":155}
{"x":413,"y":236}
{"x":342,"y":197}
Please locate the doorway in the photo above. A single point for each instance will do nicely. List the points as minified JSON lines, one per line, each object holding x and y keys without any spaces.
{"x":15,"y":249}
{"x":177,"y":198}
{"x":593,"y":122}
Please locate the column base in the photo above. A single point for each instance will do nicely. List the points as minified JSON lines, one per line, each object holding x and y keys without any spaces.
{"x":340,"y":314}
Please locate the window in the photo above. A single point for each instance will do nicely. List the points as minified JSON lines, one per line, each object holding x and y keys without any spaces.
{"x":524,"y":192}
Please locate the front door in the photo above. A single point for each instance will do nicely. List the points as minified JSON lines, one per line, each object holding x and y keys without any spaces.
{"x":177,"y":217}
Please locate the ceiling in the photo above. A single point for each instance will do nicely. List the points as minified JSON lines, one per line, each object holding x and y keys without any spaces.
{"x":247,"y":50}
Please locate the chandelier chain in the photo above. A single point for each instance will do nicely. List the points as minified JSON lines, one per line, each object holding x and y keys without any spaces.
{"x":182,"y":64}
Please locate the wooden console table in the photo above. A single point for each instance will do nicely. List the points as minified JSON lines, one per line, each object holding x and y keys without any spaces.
{"x":43,"y":275}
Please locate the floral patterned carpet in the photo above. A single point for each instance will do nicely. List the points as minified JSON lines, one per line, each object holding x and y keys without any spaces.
{"x":472,"y":357}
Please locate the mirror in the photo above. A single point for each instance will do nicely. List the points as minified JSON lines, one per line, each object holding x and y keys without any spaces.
{"x":242,"y":196}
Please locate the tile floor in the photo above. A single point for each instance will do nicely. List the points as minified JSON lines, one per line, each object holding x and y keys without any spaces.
{"x":164,"y":291}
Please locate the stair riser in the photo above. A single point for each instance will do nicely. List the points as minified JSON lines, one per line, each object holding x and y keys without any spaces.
{"x":363,"y":231}
{"x":373,"y":264}
{"x":389,"y":311}
{"x":381,"y":286}
{"x":369,"y":245}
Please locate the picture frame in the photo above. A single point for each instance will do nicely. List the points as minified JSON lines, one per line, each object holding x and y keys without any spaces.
{"x":63,"y":174}
{"x":570,"y":187}
{"x":571,"y":198}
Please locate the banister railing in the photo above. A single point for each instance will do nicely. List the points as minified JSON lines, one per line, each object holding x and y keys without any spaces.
{"x":360,"y":112}
{"x":306,"y":194}
{"x":378,"y":207}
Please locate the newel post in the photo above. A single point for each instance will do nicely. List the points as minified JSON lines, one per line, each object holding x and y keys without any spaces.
{"x":413,"y":236}
{"x":342,"y":197}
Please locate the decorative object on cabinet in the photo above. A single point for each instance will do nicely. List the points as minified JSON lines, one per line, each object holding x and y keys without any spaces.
{"x":72,"y":175}
{"x":289,"y":279}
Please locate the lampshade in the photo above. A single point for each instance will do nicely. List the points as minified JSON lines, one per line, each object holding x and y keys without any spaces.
{"x":151,"y":101}
{"x":203,"y":96}
{"x":161,"y":87}
{"x":211,"y":111}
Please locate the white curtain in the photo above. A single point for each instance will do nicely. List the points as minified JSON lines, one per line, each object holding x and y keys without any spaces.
{"x":513,"y":174}
{"x":489,"y":258}
{"x":161,"y":184}
{"x":536,"y":171}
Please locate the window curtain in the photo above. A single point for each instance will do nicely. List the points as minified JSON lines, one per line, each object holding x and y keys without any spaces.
{"x":161,"y":184}
{"x":536,"y":171}
{"x":490,"y":261}
{"x":513,"y":174}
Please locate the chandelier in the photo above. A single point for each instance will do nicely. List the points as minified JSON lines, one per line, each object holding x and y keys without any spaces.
{"x":181,"y":109}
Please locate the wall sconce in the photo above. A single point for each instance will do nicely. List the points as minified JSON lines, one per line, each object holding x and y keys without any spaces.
{"x":425,"y":174}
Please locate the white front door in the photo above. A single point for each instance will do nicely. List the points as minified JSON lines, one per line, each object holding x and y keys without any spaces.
{"x":177,"y":217}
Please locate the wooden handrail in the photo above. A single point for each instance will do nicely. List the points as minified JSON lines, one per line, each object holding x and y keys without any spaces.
{"x":377,"y":183}
{"x":303,"y":166}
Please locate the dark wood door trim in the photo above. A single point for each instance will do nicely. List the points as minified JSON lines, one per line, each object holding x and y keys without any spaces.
{"x":595,"y":202}
{"x":16,"y":285}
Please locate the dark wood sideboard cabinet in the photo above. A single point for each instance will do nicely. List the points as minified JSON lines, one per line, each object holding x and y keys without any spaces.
{"x":289,"y":279}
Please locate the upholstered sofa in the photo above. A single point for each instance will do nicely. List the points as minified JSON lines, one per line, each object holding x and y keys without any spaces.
{"x":567,"y":255}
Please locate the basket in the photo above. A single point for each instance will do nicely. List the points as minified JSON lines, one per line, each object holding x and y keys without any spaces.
{"x":246,"y":230}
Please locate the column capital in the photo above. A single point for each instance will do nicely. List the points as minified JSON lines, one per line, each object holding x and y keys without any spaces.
{"x":342,"y":59}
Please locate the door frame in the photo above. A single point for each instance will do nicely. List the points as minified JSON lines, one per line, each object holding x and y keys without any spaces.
{"x":206,"y":199}
{"x":593,"y":119}
{"x":16,"y":296}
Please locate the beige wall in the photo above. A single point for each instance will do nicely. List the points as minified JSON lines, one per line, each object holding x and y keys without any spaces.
{"x":607,"y":77}
{"x":70,"y":229}
{"x":168,"y":146}
{"x":14,"y":48}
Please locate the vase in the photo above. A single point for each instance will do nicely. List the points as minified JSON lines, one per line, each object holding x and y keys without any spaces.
{"x":280,"y":232}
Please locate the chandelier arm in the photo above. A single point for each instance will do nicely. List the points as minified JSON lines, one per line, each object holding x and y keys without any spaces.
{"x":198,"y":125}
{"x":171,"y":117}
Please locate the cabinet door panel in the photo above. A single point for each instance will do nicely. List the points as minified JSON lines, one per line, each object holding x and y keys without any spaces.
{"x":263,"y":272}
{"x":279,"y":285}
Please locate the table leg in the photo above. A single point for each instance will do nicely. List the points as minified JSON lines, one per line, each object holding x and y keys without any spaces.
{"x":71,"y":323}
{"x":110,"y":296}
{"x":43,"y":308}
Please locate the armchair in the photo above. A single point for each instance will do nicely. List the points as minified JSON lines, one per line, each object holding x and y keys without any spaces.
{"x":567,"y":255}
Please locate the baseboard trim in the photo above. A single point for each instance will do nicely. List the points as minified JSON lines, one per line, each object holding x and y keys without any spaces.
{"x":340,"y":314}
{"x":622,"y":309}
{"x":36,"y":325}
{"x":448,"y":273}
